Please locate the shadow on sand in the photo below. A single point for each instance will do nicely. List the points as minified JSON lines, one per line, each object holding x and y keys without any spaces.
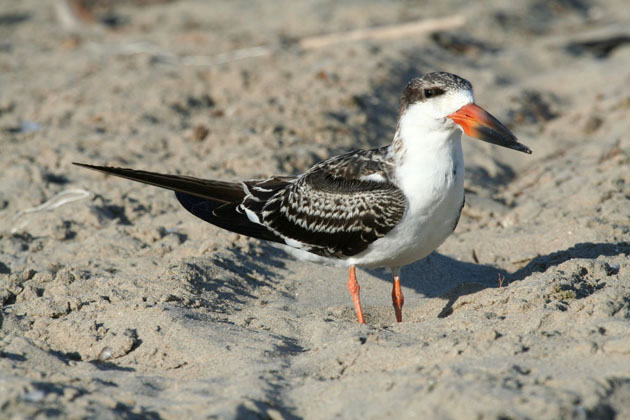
{"x":228,"y":276}
{"x":446,"y":278}
{"x":435,"y":276}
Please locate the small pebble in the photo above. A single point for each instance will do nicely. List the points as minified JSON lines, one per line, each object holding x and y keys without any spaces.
{"x":105,"y":354}
{"x":611,"y":270}
{"x":34,"y":396}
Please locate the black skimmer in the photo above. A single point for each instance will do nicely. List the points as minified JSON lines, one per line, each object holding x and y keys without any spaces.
{"x":385,"y":207}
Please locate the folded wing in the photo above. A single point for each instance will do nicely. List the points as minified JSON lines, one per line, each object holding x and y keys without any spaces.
{"x":336,"y":209}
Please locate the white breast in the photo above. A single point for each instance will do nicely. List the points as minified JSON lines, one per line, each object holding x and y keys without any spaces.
{"x":432,"y":177}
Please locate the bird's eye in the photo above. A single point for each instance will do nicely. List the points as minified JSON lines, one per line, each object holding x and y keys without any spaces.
{"x":429,"y":93}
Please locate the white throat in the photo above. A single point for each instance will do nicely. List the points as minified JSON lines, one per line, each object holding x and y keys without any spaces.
{"x":430,"y":161}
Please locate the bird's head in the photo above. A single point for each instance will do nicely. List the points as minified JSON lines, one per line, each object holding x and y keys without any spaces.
{"x":444,"y":101}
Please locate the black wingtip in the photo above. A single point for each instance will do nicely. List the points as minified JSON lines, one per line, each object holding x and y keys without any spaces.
{"x":85,"y":165}
{"x":223,"y":192}
{"x":109,"y":170}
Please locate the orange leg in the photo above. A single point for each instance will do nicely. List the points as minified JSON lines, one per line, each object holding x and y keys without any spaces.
{"x":353,"y":288}
{"x":397,"y":298}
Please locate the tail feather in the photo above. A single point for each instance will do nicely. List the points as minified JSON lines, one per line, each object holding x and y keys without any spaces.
{"x":225,"y":192}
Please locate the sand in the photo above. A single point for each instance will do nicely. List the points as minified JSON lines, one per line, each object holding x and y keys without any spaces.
{"x":120,"y":304}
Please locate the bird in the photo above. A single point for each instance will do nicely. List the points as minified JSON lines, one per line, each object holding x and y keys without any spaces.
{"x":385,"y":207}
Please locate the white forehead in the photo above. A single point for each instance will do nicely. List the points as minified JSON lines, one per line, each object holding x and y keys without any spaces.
{"x":454,"y":100}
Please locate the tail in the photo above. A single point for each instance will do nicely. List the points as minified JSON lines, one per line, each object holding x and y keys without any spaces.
{"x":219,"y":191}
{"x":201,"y":197}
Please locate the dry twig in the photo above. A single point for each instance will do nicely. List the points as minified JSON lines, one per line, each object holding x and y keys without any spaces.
{"x":381,"y":33}
{"x":58,"y":200}
{"x":501,"y":279}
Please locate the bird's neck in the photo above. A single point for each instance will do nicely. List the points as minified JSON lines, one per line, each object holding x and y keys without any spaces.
{"x":417,"y":143}
{"x":425,"y":155}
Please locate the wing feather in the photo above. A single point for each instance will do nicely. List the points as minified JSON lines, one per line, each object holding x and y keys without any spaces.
{"x":215,"y":202}
{"x":336,"y":209}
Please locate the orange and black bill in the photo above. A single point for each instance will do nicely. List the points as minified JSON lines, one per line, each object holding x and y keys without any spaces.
{"x":478,"y":123}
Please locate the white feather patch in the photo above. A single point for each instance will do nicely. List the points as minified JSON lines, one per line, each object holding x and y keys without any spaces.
{"x":376,"y":177}
{"x":253,"y":217}
{"x":261,"y":189}
{"x":293,"y":243}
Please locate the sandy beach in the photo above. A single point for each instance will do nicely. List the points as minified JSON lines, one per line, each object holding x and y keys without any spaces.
{"x":117,"y":303}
